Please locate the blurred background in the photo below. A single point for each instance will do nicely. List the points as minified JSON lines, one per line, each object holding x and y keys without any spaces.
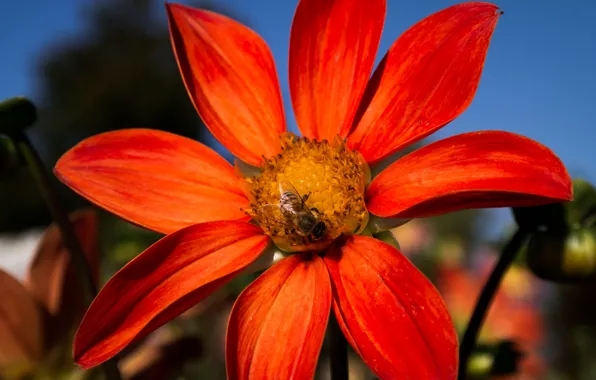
{"x":93,"y":66}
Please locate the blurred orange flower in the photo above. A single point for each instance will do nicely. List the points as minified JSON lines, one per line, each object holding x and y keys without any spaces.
{"x":38,"y":316}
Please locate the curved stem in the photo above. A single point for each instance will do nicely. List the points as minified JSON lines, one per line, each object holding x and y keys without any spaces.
{"x":486,"y":297}
{"x":77,"y":256}
{"x":42,"y":180}
{"x":338,"y":351}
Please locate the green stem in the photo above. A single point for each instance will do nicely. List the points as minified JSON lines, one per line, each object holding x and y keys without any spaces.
{"x":338,"y":351}
{"x":77,"y":256}
{"x":468,"y":342}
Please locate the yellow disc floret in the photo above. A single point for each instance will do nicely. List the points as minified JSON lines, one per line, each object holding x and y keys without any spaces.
{"x":310,"y":194}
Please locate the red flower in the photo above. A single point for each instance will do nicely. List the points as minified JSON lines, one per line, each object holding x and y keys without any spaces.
{"x":390,"y":313}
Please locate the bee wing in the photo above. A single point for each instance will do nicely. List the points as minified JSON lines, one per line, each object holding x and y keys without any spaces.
{"x":287,"y":187}
{"x":272,"y":214}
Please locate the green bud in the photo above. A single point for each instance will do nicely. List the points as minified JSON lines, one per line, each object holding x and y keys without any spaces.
{"x":579,"y":259}
{"x":480,"y":364}
{"x":563,"y":257}
{"x":500,"y":359}
{"x":583,"y":206}
{"x":16,"y":114}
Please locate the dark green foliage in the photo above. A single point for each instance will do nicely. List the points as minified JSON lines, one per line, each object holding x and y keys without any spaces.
{"x":118,"y":72}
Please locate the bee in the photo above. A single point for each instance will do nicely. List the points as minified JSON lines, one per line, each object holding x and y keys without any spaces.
{"x":296,"y":213}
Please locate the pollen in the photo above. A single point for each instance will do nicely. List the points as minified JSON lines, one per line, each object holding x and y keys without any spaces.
{"x":309,"y":194}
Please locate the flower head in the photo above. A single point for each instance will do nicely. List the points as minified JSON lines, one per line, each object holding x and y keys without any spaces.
{"x":309,"y":194}
{"x":312,"y":195}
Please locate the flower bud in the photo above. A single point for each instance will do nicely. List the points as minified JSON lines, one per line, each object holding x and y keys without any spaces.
{"x":565,"y":253}
{"x":500,"y":359}
{"x":583,"y":206}
{"x":480,"y":364}
{"x":16,"y":114}
{"x":563,"y":257}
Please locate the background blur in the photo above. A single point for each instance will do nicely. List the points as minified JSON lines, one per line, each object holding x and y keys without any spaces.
{"x":93,"y":66}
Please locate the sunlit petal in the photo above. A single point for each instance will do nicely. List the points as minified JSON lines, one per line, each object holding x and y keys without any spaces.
{"x":277,"y":325}
{"x":332,"y":51}
{"x":168,"y":278}
{"x":390,"y":313}
{"x":155,"y":179}
{"x":471,"y":170}
{"x":428,"y":77}
{"x":230,"y":76}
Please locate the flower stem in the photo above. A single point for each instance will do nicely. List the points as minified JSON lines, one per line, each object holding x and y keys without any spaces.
{"x":338,"y":351}
{"x":486,"y":297}
{"x":77,"y":256}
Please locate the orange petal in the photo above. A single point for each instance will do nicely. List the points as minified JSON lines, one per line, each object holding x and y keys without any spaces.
{"x":50,"y":279}
{"x":155,"y":179}
{"x":230,"y":76}
{"x":428,"y":77}
{"x":471,"y":170}
{"x":391,"y":314}
{"x":277,"y":325}
{"x":332,"y":51}
{"x":162,"y":282}
{"x":21,"y":323}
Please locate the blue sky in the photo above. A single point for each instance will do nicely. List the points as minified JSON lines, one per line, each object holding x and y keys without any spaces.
{"x":539,"y":78}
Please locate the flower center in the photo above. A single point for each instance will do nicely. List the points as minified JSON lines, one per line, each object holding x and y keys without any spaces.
{"x":310,"y":194}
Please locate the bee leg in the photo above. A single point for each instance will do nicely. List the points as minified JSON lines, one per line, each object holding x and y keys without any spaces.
{"x":315,"y":210}
{"x":305,"y":198}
